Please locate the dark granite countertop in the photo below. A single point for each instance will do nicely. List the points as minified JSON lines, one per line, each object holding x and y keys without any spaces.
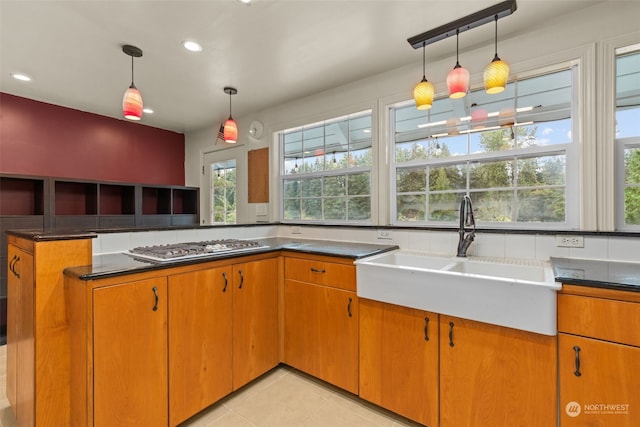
{"x":601,"y":274}
{"x":42,"y":235}
{"x":119,"y":264}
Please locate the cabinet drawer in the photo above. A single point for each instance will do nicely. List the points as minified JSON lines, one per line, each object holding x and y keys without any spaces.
{"x":341,"y":276}
{"x":610,"y":320}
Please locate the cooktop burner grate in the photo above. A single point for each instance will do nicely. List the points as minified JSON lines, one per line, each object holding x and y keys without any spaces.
{"x":179,"y":251}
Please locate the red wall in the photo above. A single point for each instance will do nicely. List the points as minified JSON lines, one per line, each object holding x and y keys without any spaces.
{"x":48,"y":140}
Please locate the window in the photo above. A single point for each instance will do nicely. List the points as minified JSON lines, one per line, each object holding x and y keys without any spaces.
{"x":511,"y":152}
{"x":326,"y":171}
{"x":628,"y":137}
{"x":223,"y":192}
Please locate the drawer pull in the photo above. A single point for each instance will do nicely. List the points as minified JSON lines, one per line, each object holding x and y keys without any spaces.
{"x":318,"y":270}
{"x":451,"y":344}
{"x":156,"y":298}
{"x":577,"y":372}
{"x":241,"y":279}
{"x":349,"y":307}
{"x":426,"y":329}
{"x":226,"y":281}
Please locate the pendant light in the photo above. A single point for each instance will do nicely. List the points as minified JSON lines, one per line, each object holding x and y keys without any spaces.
{"x":423,"y":92}
{"x":497,"y":72}
{"x":230,"y":126}
{"x":132,"y":100}
{"x":458,"y":78}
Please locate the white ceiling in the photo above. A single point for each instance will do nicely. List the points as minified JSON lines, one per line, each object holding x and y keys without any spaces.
{"x":272,"y":51}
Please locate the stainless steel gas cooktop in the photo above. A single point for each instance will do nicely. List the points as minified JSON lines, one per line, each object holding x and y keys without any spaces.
{"x":180,"y":251}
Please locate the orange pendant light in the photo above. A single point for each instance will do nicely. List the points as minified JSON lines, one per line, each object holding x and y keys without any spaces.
{"x":458,"y":78}
{"x":496,"y":74}
{"x":132,"y":100}
{"x":230,"y":126}
{"x":423,"y":92}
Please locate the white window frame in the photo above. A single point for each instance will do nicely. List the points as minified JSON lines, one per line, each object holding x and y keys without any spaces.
{"x":329,"y":173}
{"x":571,"y":150}
{"x":621,"y":145}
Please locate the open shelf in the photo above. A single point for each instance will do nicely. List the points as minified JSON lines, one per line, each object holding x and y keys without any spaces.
{"x":117,"y":199}
{"x":21,"y":196}
{"x":76,"y":198}
{"x":185,"y":201}
{"x":156,"y":201}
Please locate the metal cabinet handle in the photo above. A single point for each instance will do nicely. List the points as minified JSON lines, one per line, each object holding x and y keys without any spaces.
{"x":451,"y":344}
{"x":241,"y":279}
{"x":577,"y":372}
{"x":318,"y":270}
{"x":13,"y":264}
{"x":349,"y":307}
{"x":156,"y":298}
{"x":226,"y":281}
{"x":426,"y":329}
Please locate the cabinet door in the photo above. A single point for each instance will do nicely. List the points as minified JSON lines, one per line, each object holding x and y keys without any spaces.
{"x":495,"y":376}
{"x":599,"y":382}
{"x":399,"y":360}
{"x":130,"y":354}
{"x":255,"y":320}
{"x":20,"y":336}
{"x":200,"y":360}
{"x":321,"y":332}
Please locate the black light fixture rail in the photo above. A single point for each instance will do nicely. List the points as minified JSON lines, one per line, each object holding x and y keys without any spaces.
{"x":468,"y":22}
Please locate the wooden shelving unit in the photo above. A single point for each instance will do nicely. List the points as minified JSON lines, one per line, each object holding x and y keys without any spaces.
{"x":34,"y":202}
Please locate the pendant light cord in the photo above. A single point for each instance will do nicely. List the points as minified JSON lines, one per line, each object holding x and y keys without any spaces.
{"x":457,"y":47}
{"x":132,"y":71}
{"x":424,"y":74}
{"x":229,"y":104}
{"x":496,"y":38}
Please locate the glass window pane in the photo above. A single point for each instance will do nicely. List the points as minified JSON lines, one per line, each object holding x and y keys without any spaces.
{"x":628,"y":95}
{"x":411,"y":180}
{"x":541,"y":205}
{"x":292,"y":189}
{"x":359,"y":208}
{"x":311,"y":187}
{"x":444,"y":206}
{"x":335,"y":208}
{"x":291,"y":209}
{"x":335,"y":186}
{"x":493,"y":206}
{"x":447,"y":178}
{"x":411,"y":207}
{"x":312,"y":209}
{"x":632,"y":166}
{"x":538,"y":171}
{"x":491,"y":174}
{"x":359,"y":184}
{"x":632,"y":205}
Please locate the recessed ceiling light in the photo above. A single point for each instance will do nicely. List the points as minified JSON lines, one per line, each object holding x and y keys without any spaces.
{"x":21,"y":77}
{"x":148,"y":110}
{"x":245,"y":1}
{"x":192,"y":46}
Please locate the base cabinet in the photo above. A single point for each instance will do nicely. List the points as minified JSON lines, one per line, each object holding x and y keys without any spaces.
{"x":129,"y":342}
{"x":321,"y":313}
{"x":399,"y":360}
{"x":200,"y":340}
{"x":495,"y":376}
{"x":599,"y":357}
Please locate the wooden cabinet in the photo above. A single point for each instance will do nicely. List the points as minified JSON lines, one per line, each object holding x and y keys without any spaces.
{"x":495,"y":376}
{"x":38,"y":335}
{"x":321,"y":325}
{"x":155,"y":348}
{"x":599,"y":357}
{"x":255,"y":319}
{"x":129,"y":326}
{"x":258,"y":175}
{"x":200,"y":340}
{"x":399,"y":360}
{"x":20,"y":336}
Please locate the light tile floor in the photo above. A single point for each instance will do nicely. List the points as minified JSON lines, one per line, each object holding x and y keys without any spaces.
{"x":283,"y":397}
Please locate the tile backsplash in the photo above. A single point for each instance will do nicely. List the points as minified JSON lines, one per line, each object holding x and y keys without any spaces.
{"x":525,"y":246}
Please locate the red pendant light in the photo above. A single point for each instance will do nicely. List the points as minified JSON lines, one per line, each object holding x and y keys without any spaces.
{"x":230,"y":126}
{"x":458,"y":78}
{"x":423,"y":92}
{"x":132,"y":100}
{"x":497,"y":72}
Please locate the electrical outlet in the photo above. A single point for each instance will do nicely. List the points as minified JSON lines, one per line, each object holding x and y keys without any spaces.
{"x":296,"y":230}
{"x":568,"y":241}
{"x":384,"y":234}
